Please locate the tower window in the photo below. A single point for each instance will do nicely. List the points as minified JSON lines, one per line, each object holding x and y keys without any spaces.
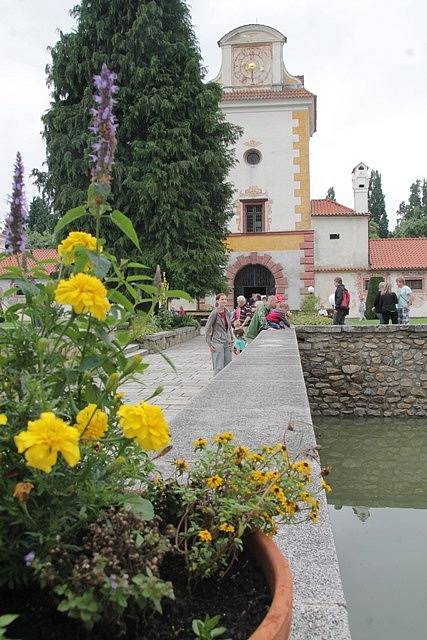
{"x":334,"y":236}
{"x":252,"y":156}
{"x":253,"y":217}
{"x":361,"y":167}
{"x":361,"y":186}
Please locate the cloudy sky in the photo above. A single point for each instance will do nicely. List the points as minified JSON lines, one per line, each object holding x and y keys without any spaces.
{"x":365,"y":59}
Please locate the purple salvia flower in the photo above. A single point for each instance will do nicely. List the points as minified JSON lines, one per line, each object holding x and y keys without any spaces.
{"x":104,"y":126}
{"x":29,"y":558}
{"x":16,"y":221}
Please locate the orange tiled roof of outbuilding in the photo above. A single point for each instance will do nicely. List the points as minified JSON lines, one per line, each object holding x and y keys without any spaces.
{"x":327,"y":207}
{"x":398,"y":253}
{"x":39,"y":254}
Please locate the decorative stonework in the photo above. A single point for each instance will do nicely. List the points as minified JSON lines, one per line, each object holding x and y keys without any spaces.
{"x":307,"y":262}
{"x":302,"y":169}
{"x":255,"y":258}
{"x":252,"y":143}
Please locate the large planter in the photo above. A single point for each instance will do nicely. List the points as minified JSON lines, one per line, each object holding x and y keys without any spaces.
{"x":277,"y":623}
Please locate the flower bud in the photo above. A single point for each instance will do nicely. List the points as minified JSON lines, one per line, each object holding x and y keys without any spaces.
{"x":112,"y":383}
{"x":132,"y":364}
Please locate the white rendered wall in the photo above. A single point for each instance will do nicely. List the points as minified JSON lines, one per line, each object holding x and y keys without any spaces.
{"x":324,"y":287}
{"x":352,"y":248}
{"x":267,"y":128}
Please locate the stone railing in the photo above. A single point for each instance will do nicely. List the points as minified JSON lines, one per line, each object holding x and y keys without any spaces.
{"x":257,"y":396}
{"x":373,"y":371}
{"x":165,"y":339}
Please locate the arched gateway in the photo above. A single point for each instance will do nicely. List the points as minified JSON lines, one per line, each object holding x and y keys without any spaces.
{"x":254,"y":273}
{"x":254,"y":278}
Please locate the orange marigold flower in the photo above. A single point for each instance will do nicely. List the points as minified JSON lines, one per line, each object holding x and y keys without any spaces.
{"x":214,"y":482}
{"x":22,"y":491}
{"x":205,"y":535}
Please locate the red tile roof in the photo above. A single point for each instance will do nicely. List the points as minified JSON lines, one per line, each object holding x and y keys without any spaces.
{"x":266,"y":94}
{"x":39,"y":254}
{"x":398,"y":253}
{"x":327,"y":207}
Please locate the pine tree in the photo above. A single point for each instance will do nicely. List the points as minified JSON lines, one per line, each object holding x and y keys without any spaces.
{"x":414,"y":203}
{"x":173,"y":154}
{"x":412,"y":217}
{"x":39,"y":216}
{"x":330,"y":195}
{"x":376,"y":204}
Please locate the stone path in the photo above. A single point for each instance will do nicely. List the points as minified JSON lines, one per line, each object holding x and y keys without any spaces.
{"x":193,"y":365}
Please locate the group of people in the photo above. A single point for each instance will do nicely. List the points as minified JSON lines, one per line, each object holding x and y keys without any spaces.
{"x":389,"y":306}
{"x":228,"y":331}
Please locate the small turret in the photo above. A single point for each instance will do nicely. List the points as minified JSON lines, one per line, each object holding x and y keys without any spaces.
{"x":360,"y":181}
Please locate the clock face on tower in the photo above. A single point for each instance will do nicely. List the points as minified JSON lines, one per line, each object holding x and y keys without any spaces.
{"x":252,"y":65}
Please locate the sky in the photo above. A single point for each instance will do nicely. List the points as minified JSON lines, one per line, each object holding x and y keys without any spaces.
{"x":366,"y":61}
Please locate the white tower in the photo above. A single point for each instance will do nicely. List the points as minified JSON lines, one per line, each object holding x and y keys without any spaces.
{"x":360,"y":181}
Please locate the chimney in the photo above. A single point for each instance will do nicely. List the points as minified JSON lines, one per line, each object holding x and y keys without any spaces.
{"x":360,"y":179}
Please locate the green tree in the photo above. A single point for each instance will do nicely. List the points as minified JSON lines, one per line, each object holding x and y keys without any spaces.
{"x":39,"y":217}
{"x":414,"y":203}
{"x":40,"y":240}
{"x":372,"y":292}
{"x":376,"y":204}
{"x":373,"y":229}
{"x":412,"y":217}
{"x":174,"y":145}
{"x":330,"y":195}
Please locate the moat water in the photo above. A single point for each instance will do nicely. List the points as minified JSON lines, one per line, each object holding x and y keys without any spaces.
{"x":378,"y":511}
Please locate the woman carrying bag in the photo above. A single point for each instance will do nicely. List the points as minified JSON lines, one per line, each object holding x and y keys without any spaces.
{"x":219,"y":334}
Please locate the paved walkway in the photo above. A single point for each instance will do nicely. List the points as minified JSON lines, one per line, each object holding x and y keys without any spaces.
{"x":193,"y":365}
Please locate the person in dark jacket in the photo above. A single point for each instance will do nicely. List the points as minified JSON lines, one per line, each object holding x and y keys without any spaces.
{"x":339,"y":312}
{"x":219,"y":334}
{"x":376,"y":306}
{"x":388,"y":304}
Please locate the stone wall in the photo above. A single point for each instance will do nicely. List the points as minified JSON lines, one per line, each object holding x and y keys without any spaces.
{"x":165,"y":339}
{"x":365,"y":370}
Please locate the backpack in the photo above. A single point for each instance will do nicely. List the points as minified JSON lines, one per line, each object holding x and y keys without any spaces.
{"x":345,"y":301}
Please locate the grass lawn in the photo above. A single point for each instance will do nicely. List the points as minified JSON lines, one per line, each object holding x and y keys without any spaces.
{"x":356,"y":322}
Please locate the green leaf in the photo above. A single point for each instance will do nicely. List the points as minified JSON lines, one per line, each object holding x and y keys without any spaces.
{"x":119,"y":298}
{"x":101,"y":264}
{"x":125,"y":225}
{"x":28,"y":287}
{"x":139,"y":277}
{"x":7,"y":619}
{"x":137,"y":265}
{"x":122,"y":338}
{"x":177,"y":293}
{"x":139,"y":506}
{"x":70,"y":216}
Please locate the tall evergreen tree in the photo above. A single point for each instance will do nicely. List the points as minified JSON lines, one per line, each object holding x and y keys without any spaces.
{"x":414,"y":203}
{"x":39,"y":216}
{"x":330,"y":195}
{"x":376,"y":204}
{"x":173,"y":153}
{"x":412,"y":217}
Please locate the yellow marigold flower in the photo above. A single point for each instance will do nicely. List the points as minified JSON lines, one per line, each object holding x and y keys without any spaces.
{"x":45,"y":438}
{"x":85,"y":294}
{"x":278,"y":492}
{"x":258,"y":477}
{"x":290,"y":507}
{"x":3,"y":419}
{"x":327,"y":487}
{"x":256,"y":457}
{"x":271,"y":476}
{"x":200,"y":443}
{"x":205,"y":535}
{"x":267,"y":449}
{"x":226,"y":528}
{"x":146,"y":423}
{"x":181,"y":464}
{"x":214,"y":482}
{"x":91,"y":422}
{"x":240,"y":453}
{"x":314,"y":516}
{"x":22,"y":491}
{"x":75,"y":239}
{"x":224,"y":437}
{"x":303,"y":467}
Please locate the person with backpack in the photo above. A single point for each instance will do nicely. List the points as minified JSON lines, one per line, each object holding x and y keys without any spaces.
{"x":342,"y":302}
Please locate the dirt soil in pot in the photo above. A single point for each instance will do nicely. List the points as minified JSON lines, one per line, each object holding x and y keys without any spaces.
{"x":242,"y":598}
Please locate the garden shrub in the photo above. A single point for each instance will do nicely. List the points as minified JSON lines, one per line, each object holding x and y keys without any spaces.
{"x":372,"y":292}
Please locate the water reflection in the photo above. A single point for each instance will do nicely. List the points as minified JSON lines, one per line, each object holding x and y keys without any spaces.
{"x":378,"y":510}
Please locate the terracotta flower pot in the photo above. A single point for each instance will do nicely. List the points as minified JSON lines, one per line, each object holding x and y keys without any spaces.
{"x":277,"y":623}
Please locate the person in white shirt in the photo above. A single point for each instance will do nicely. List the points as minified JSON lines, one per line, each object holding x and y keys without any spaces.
{"x":404,"y":301}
